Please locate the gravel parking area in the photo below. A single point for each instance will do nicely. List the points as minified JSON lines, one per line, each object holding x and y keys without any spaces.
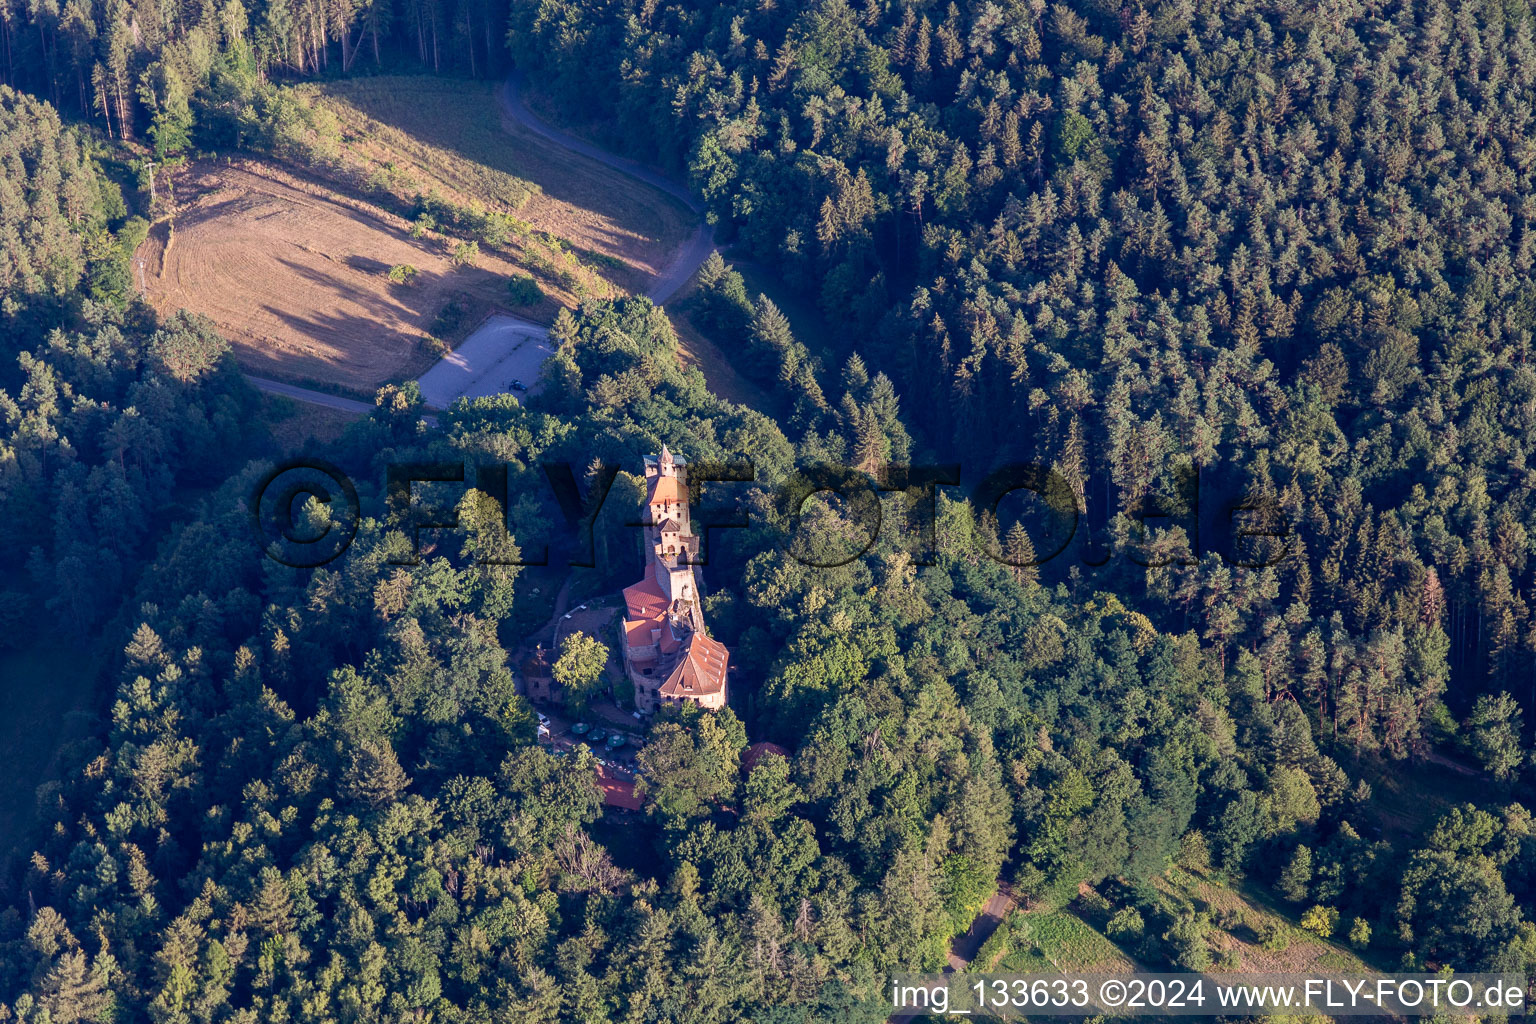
{"x":503,"y":349}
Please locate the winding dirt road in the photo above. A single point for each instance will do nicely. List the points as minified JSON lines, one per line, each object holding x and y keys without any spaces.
{"x":693,"y":252}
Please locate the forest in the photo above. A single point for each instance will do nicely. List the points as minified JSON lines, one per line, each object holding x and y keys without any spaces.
{"x":1188,"y":258}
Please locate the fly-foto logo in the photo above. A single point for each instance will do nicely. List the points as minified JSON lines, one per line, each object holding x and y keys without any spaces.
{"x":1254,"y":532}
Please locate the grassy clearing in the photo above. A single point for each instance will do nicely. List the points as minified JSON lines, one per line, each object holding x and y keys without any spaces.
{"x":1238,"y":913}
{"x":400,"y":139}
{"x":697,"y":349}
{"x":805,"y":319}
{"x":411,"y":136}
{"x":1049,"y":941}
{"x":48,"y":698}
{"x":1408,"y":798}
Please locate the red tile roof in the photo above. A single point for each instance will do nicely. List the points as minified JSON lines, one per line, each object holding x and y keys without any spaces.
{"x":757,"y":751}
{"x":665,"y":488}
{"x":701,"y":672}
{"x":646,"y":608}
{"x":639,"y":632}
{"x":644,"y":600}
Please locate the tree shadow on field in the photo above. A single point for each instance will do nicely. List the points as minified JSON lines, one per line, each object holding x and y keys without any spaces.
{"x":347,"y":349}
{"x":415,"y":303}
{"x":367,"y":265}
{"x":380,"y":338}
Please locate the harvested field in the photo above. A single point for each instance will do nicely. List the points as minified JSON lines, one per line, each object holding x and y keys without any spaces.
{"x":296,"y":277}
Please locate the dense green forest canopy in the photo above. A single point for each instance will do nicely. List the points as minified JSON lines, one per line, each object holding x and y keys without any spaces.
{"x":1260,"y":249}
{"x":1257,"y":251}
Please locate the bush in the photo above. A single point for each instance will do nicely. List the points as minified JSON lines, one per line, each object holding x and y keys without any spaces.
{"x":523,"y":290}
{"x":1360,"y":933}
{"x":497,"y":229}
{"x":1126,"y":926}
{"x":1187,"y":942}
{"x":1321,"y":921}
{"x":1195,"y":852}
{"x":402,"y":273}
{"x":377,"y":182}
{"x":449,"y":318}
{"x":998,"y":943}
{"x":465,"y":254}
{"x":132,"y":234}
{"x":1227,"y":918}
{"x":1274,"y":936}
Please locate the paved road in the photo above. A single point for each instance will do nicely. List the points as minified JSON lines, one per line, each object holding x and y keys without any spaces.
{"x":298,"y":394}
{"x":694,"y":251}
{"x":313,"y":397}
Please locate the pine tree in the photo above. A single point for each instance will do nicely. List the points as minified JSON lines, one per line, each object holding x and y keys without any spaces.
{"x":1019,"y":555}
{"x":1296,"y":877}
{"x":272,"y":910}
{"x":771,"y":340}
{"x":72,"y":992}
{"x":373,"y":773}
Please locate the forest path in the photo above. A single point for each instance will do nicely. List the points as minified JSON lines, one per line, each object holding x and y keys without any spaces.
{"x":965,"y":947}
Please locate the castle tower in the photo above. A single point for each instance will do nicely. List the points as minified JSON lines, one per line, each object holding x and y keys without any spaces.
{"x":670,"y":545}
{"x":667,"y":653}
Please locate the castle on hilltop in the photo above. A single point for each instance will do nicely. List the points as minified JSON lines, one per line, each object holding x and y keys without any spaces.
{"x":667,"y":654}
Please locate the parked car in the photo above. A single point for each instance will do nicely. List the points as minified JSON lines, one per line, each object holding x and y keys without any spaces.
{"x":518,"y":385}
{"x":543,"y":718}
{"x":581,"y":728}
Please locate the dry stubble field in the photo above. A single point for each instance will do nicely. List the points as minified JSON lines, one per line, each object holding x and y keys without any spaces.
{"x":296,"y":277}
